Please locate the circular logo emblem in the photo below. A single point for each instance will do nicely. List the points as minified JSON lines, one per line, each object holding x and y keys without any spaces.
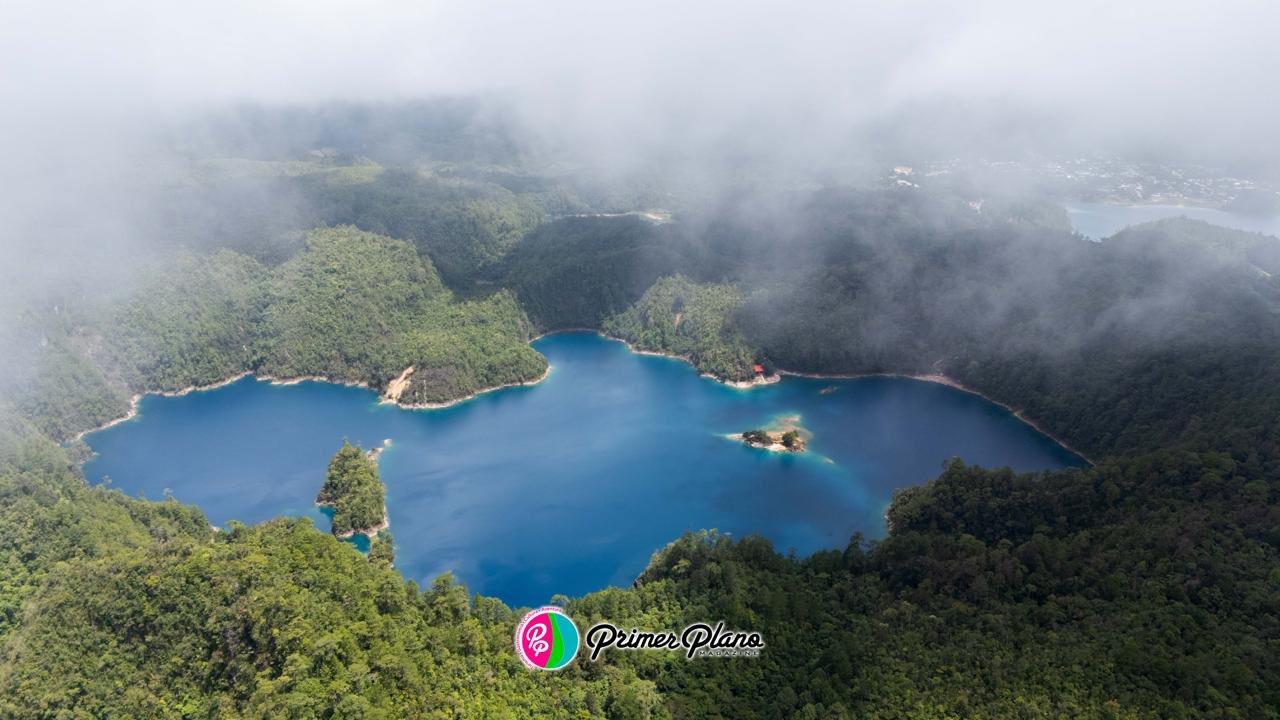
{"x":546,"y":639}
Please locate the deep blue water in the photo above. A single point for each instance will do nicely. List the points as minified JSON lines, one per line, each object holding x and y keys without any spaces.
{"x":569,"y":485}
{"x":1101,"y":220}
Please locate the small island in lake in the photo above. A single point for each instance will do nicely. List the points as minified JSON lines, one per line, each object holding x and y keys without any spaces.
{"x":355,"y":493}
{"x":785,"y":435}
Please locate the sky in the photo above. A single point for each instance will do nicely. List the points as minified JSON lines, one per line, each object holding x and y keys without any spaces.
{"x":711,"y":71}
{"x":716,"y":93}
{"x":813,"y":84}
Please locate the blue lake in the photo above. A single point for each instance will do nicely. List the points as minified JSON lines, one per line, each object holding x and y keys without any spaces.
{"x":572,"y":484}
{"x":1102,"y":220}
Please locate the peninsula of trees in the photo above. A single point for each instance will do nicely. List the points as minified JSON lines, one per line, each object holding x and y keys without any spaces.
{"x":355,"y":493}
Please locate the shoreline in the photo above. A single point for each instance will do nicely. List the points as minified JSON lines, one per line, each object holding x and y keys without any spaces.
{"x":757,"y":381}
{"x":775,"y":431}
{"x":738,"y":384}
{"x":131,"y":414}
{"x":941,"y":379}
{"x":369,"y":532}
{"x":450,"y":403}
{"x":937,"y":378}
{"x":773,"y":447}
{"x":136,"y":400}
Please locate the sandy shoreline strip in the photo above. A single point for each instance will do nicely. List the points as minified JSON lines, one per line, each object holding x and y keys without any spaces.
{"x":757,"y":381}
{"x":133,"y":413}
{"x":450,"y":403}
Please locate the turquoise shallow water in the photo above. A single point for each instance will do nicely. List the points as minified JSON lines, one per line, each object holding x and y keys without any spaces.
{"x":569,"y":485}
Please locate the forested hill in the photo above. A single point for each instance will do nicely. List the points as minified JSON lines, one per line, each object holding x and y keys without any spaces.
{"x":352,"y":306}
{"x":1142,"y":587}
{"x":1164,"y":335}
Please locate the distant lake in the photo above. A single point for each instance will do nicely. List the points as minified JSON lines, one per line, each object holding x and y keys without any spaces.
{"x":1101,"y":220}
{"x":570,"y":485}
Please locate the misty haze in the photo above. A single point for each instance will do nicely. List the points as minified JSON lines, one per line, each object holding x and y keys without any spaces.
{"x":342,"y":344}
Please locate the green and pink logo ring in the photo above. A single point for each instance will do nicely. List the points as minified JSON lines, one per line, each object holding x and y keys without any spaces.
{"x":546,"y":639}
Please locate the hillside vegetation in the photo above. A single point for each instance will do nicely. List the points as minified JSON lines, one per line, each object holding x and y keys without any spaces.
{"x":691,"y":320}
{"x":352,"y":306}
{"x":575,"y":273}
{"x":1142,"y":587}
{"x":462,"y":227}
{"x":1162,"y":336}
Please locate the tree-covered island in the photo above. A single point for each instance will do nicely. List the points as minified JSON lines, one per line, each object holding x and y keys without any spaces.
{"x":785,"y":436}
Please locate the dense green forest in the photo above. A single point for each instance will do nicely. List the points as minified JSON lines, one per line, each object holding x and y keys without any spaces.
{"x":354,"y":491}
{"x":1164,"y":335}
{"x":351,"y":305}
{"x":1142,"y":587}
{"x":463,"y":227}
{"x":51,"y":519}
{"x":691,"y":320}
{"x":1137,"y":588}
{"x":577,"y":272}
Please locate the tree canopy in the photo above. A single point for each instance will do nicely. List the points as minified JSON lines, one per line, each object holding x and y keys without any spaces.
{"x":1141,"y":587}
{"x":354,"y":491}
